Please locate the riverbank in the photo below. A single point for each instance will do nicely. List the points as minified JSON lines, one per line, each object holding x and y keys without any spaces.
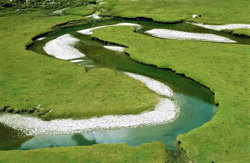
{"x":152,"y":152}
{"x":165,"y":111}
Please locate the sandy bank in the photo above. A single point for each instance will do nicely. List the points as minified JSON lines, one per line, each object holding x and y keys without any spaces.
{"x":181,"y":35}
{"x":63,"y":48}
{"x":89,"y":31}
{"x":165,"y":111}
{"x":222,"y":27}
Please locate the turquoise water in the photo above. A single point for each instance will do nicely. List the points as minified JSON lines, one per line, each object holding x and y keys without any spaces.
{"x":196,"y":102}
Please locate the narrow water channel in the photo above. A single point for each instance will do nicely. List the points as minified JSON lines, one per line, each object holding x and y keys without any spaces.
{"x":196,"y":102}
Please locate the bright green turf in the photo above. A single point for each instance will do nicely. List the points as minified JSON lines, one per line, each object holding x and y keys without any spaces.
{"x":242,"y":32}
{"x":28,"y":79}
{"x":105,"y":153}
{"x":212,"y":11}
{"x":83,"y":11}
{"x":222,"y":67}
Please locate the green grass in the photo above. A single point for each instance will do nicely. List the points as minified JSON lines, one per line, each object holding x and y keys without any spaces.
{"x":8,"y":7}
{"x":212,"y":11}
{"x":83,"y":11}
{"x":242,"y":32}
{"x":28,"y":79}
{"x":222,"y":67}
{"x":105,"y":153}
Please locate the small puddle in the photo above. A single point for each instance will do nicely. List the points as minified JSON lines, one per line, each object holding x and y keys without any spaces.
{"x":196,"y":102}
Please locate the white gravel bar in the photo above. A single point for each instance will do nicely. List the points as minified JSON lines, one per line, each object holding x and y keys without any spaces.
{"x":89,"y":31}
{"x":222,"y":27}
{"x":115,"y":48}
{"x":63,"y":48}
{"x":165,"y":111}
{"x":152,"y":84}
{"x":94,"y":16}
{"x":181,"y":35}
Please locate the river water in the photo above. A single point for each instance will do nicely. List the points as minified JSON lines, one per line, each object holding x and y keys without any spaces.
{"x":195,"y":101}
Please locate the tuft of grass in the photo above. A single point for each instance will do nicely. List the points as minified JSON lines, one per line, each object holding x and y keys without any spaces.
{"x":83,"y":11}
{"x":242,"y":32}
{"x":212,"y":11}
{"x":222,"y":67}
{"x":147,"y":153}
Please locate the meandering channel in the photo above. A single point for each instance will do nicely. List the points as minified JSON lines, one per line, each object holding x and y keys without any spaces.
{"x":195,"y":101}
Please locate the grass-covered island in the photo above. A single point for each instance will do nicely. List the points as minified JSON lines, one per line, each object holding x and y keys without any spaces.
{"x":47,"y":88}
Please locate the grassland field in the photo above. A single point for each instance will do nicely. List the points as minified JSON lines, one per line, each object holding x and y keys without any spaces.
{"x":224,"y":68}
{"x":28,"y":79}
{"x":66,"y":90}
{"x":221,"y":67}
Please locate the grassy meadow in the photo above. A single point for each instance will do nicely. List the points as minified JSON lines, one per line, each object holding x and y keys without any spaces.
{"x":83,"y":10}
{"x":28,"y":79}
{"x":105,"y":153}
{"x":221,"y":67}
{"x":62,"y":89}
{"x":211,"y":11}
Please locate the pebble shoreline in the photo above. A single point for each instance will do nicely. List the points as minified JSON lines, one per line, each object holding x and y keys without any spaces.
{"x":165,"y":111}
{"x":89,"y":31}
{"x":222,"y":27}
{"x":63,"y":48}
{"x":181,"y":35}
{"x":152,"y":84}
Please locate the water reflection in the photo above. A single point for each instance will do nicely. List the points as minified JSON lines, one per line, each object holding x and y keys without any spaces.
{"x":81,"y":140}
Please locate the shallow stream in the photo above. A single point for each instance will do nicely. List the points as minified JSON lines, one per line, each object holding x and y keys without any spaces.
{"x":195,"y":101}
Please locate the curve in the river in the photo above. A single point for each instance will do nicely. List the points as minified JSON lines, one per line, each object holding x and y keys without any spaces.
{"x":165,"y":111}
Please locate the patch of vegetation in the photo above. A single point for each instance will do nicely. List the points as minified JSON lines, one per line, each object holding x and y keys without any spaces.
{"x":83,"y":10}
{"x":8,"y":7}
{"x":147,"y":153}
{"x":222,"y":67}
{"x":212,"y":11}
{"x":241,"y":32}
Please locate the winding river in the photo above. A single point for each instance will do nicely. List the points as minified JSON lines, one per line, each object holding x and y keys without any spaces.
{"x":195,"y":101}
